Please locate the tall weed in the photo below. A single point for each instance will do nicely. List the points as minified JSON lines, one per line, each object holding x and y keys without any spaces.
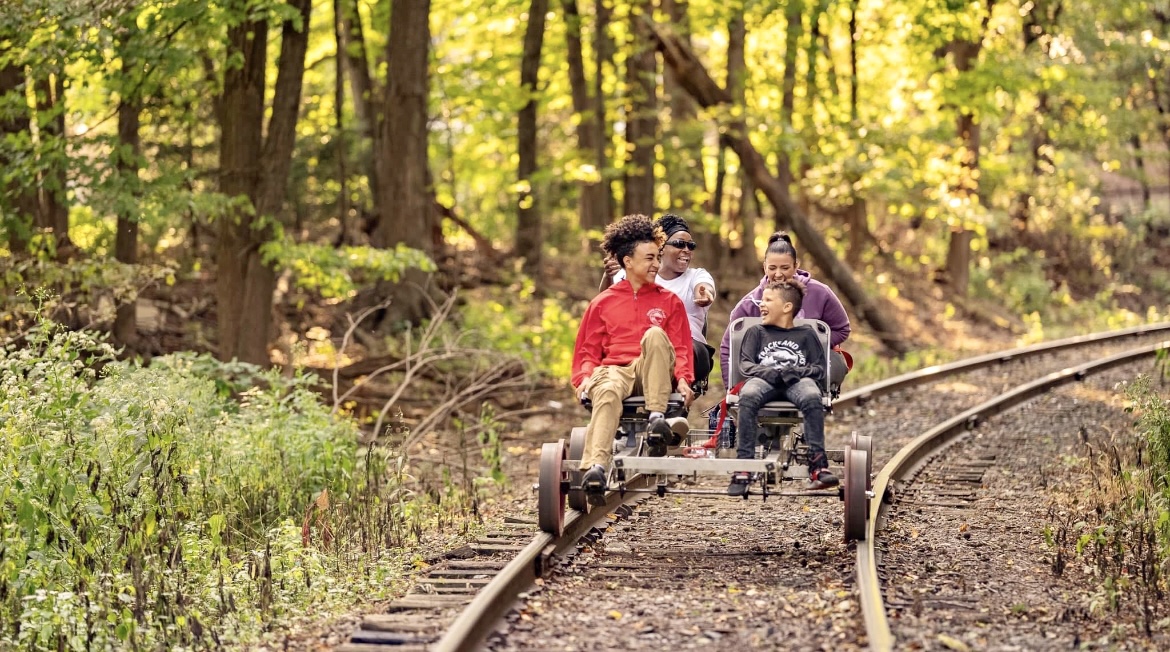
{"x":1119,"y":525}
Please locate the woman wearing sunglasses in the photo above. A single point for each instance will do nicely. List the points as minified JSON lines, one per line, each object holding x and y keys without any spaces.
{"x":694,"y":285}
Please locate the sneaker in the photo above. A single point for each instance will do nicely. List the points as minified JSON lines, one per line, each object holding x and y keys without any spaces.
{"x":740,"y":481}
{"x":657,"y":435}
{"x":594,"y":483}
{"x":822,"y":479}
{"x":679,"y":427}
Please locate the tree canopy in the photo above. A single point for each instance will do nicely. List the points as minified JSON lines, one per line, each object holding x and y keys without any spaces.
{"x":350,"y":146}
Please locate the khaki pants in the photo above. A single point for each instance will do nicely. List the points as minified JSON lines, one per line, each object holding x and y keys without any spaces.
{"x":650,"y":375}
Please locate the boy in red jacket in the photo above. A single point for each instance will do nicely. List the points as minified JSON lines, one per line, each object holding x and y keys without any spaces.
{"x":635,"y":338}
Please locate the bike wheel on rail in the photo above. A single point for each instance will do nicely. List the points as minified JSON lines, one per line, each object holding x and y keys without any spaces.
{"x":856,"y":494}
{"x":577,"y":498}
{"x":864,"y":443}
{"x":550,"y":495}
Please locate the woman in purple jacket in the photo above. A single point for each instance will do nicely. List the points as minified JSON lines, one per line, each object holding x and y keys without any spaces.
{"x":780,"y":264}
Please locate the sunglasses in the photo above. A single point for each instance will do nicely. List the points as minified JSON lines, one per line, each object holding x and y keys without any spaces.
{"x":682,"y":244}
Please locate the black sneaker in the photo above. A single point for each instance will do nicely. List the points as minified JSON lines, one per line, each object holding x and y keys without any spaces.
{"x":658,"y":434}
{"x":593,"y":481}
{"x":822,"y":479}
{"x":740,"y":481}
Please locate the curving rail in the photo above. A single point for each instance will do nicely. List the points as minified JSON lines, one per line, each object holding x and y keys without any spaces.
{"x":912,"y":456}
{"x":860,"y":395}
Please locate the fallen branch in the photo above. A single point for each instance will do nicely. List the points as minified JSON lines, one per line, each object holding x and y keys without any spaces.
{"x":482,"y":244}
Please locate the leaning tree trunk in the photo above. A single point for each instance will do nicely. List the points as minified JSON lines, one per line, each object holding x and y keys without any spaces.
{"x":641,"y":115}
{"x":407,"y":215}
{"x":707,"y":93}
{"x":528,"y":230}
{"x":258,"y":169}
{"x":21,"y":203}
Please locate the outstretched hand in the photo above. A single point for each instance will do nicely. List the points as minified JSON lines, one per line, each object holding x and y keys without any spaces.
{"x":688,"y":394}
{"x":703,"y":295}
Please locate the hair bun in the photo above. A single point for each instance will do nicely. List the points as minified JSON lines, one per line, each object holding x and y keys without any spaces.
{"x":780,"y":235}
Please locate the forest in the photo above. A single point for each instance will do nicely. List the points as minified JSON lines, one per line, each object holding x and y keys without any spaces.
{"x":234,"y":216}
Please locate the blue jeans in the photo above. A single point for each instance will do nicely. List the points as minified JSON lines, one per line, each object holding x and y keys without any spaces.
{"x":805,"y":395}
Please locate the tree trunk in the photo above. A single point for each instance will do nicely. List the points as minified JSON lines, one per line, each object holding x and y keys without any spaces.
{"x":959,"y":260}
{"x":859,"y":235}
{"x":793,"y":14}
{"x":707,"y":93}
{"x":641,"y":114}
{"x":407,"y":215}
{"x":603,"y":48}
{"x":241,"y":138}
{"x":1139,"y":161}
{"x":128,"y":158}
{"x":966,"y":54}
{"x":19,"y":200}
{"x":54,"y":209}
{"x":528,"y":228}
{"x":684,"y":155}
{"x":591,"y":201}
{"x":339,"y":65}
{"x":256,"y":168}
{"x":853,"y":81}
{"x":365,"y":97}
{"x":747,"y":257}
{"x":1039,"y":18}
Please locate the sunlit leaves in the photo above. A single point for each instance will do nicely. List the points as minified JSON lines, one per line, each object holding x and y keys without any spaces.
{"x":335,"y":272}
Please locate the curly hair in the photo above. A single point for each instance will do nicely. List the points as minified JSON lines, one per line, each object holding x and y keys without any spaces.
{"x":672,"y":224}
{"x":792,"y":290}
{"x":624,"y":235}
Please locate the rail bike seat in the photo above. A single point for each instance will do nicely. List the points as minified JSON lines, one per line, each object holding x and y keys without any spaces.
{"x":635,"y":406}
{"x":777,"y":411}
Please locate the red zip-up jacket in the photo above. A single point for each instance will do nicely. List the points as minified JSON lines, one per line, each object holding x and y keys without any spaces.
{"x":615,"y":321}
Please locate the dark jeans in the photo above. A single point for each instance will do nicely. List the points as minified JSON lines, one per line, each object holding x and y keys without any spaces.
{"x":805,"y":395}
{"x":702,"y":360}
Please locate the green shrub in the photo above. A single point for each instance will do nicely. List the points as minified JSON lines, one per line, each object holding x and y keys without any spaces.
{"x":154,"y":508}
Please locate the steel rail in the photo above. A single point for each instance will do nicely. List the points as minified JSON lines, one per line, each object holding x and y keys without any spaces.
{"x":476,"y":620}
{"x":910,"y":459}
{"x":930,"y":374}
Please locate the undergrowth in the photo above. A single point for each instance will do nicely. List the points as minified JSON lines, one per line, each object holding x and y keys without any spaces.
{"x":184,"y":505}
{"x":1116,"y":527}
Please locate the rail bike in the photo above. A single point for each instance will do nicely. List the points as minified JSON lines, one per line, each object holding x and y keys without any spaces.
{"x":780,"y":467}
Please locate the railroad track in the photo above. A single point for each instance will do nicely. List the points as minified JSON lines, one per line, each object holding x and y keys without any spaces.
{"x":465,"y":595}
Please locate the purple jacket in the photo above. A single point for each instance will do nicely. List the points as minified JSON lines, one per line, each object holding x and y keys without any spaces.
{"x":819,"y":303}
